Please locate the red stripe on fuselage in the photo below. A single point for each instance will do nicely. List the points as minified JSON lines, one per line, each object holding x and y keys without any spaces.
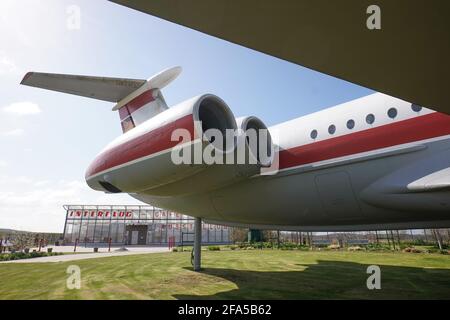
{"x":142,"y":146}
{"x":397,"y":133}
{"x":415,"y":129}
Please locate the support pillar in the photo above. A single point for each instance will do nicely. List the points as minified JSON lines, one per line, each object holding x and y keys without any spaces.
{"x":197,"y":243}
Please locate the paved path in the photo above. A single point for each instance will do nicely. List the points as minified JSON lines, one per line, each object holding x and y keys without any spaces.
{"x":82,"y":256}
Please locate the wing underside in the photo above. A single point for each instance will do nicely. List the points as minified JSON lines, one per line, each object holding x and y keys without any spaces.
{"x":101,"y":88}
{"x":438,"y":180}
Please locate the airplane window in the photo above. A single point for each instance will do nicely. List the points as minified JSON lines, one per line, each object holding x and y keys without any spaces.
{"x":416,"y":107}
{"x":332,"y":129}
{"x":392,"y":113}
{"x":351,"y":124}
{"x":314,"y":134}
{"x":370,"y":118}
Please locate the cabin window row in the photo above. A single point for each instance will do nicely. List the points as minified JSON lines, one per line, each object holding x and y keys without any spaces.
{"x":370,"y":119}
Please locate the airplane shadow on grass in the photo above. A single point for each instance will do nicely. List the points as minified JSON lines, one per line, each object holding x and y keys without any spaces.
{"x":329,"y":280}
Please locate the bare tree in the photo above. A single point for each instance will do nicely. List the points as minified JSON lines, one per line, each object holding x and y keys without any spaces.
{"x":22,"y":240}
{"x":239,"y":234}
{"x":438,"y":238}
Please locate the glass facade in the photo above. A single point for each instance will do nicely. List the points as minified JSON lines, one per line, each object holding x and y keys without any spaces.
{"x":135,"y":225}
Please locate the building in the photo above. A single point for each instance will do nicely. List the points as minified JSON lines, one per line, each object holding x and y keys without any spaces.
{"x":135,"y":225}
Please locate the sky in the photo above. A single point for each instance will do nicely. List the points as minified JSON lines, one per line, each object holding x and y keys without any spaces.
{"x":47,"y":139}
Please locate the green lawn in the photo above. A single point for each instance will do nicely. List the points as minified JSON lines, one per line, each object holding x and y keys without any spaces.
{"x":253,"y":274}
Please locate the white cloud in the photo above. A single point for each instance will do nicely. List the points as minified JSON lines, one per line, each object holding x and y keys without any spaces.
{"x":22,"y":108}
{"x":37,"y":204}
{"x":13,"y":133}
{"x":42,"y":183}
{"x":7,"y":65}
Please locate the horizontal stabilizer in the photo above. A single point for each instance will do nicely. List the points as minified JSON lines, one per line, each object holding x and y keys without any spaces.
{"x":101,"y":88}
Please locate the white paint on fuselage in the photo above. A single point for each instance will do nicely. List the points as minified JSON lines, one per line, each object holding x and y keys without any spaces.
{"x":297,"y":132}
{"x":293,"y":198}
{"x":292,"y":202}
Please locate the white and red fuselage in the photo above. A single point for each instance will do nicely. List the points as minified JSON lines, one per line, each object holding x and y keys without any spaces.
{"x":375,"y":162}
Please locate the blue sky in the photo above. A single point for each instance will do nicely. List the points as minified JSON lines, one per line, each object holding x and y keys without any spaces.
{"x":47,"y":139}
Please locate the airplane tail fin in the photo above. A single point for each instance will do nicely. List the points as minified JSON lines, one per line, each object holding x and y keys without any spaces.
{"x":136,"y":100}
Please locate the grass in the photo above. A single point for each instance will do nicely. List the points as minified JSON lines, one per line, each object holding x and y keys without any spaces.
{"x":254,"y":274}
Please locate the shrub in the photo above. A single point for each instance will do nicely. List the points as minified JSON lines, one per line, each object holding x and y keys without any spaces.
{"x":23,"y":255}
{"x":242,"y":244}
{"x":355,"y":248}
{"x":416,"y":242}
{"x":322,"y":245}
{"x":334,"y":247}
{"x":413,"y":250}
{"x":288,"y":246}
{"x":377,"y":247}
{"x":174,"y":249}
{"x":214,"y":248}
{"x":267,"y":245}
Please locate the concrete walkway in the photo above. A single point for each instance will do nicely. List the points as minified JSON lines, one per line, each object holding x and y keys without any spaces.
{"x":103,"y":252}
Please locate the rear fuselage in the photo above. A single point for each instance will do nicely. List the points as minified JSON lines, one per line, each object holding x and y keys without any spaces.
{"x":355,"y":166}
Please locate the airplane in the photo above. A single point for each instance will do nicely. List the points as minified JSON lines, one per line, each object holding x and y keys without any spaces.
{"x":377,"y":162}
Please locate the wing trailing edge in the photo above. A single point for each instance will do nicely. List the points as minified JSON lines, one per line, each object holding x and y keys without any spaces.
{"x":101,"y":88}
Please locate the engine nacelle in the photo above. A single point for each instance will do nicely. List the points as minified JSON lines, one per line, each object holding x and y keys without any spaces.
{"x":141,"y":158}
{"x":243,"y":162}
{"x":146,"y":159}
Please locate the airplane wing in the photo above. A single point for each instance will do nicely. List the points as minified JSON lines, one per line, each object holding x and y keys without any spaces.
{"x":435,"y":181}
{"x":407,"y":58}
{"x":101,"y":88}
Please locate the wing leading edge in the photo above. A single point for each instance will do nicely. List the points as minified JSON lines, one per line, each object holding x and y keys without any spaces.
{"x":101,"y":88}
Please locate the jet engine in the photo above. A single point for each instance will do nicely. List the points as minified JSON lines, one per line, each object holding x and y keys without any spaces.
{"x":192,"y":147}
